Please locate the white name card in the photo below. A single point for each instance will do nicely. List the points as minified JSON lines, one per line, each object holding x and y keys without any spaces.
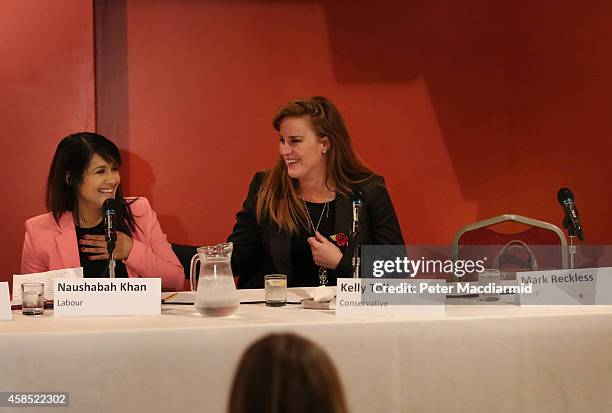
{"x":567,"y":287}
{"x":106,"y":296}
{"x":379,"y":296}
{"x":5,"y":302}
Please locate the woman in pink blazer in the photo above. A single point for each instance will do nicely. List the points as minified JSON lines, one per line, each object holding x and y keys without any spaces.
{"x":84,"y":173}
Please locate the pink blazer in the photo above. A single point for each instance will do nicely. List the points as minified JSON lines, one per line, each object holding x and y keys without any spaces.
{"x":49,"y":246}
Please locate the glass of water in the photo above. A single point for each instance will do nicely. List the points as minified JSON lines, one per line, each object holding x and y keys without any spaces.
{"x":276,"y":290}
{"x":489,"y":279}
{"x":32,"y":298}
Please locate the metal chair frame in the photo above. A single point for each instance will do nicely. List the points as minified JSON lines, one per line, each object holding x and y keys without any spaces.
{"x":515,"y":218}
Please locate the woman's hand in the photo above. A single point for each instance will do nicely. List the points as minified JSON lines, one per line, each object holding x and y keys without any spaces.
{"x":324,"y":253}
{"x":96,"y":244}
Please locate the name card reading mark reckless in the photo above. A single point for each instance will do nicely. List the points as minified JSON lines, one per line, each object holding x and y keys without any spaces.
{"x":99,"y":287}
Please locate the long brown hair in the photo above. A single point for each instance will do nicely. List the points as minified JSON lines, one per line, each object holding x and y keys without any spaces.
{"x":71,"y":158}
{"x":286,"y":373}
{"x":278,"y":198}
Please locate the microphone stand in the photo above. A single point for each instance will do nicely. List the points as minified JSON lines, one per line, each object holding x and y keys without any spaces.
{"x":356,"y":253}
{"x":111,"y":260}
{"x":356,"y":261}
{"x":571,"y":232}
{"x":111,"y":266}
{"x":571,"y":249}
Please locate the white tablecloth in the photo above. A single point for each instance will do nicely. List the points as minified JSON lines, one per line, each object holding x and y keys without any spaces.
{"x":497,"y":358}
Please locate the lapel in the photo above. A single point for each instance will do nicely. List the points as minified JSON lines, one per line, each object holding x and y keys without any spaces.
{"x":67,"y":248}
{"x":344,"y":215}
{"x":280,"y":250}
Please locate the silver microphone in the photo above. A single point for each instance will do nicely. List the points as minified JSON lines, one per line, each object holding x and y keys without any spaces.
{"x":109,"y":210}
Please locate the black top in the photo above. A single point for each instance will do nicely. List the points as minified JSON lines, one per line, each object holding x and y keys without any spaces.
{"x":306,"y":273}
{"x":261,"y":249}
{"x":97,"y":268}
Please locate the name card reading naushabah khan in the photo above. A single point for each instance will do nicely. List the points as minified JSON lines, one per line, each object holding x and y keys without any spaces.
{"x":106,"y":296}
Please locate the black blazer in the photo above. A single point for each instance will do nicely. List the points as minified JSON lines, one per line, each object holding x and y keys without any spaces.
{"x":262,"y":249}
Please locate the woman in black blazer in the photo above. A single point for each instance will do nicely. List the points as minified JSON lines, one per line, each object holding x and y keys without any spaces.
{"x":297,"y":217}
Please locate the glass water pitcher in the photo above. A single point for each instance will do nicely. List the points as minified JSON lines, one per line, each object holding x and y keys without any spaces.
{"x":216,"y":294}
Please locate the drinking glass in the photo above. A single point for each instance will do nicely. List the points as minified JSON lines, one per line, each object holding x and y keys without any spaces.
{"x":32,"y":298}
{"x":489,"y":278}
{"x":276,"y":290}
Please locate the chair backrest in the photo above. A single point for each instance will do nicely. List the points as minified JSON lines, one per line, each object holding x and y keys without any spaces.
{"x":184,"y":253}
{"x":534,"y":233}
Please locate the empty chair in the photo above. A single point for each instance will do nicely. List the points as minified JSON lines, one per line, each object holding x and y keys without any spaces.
{"x":511,"y":242}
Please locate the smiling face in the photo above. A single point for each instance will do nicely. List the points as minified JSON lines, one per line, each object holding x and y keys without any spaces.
{"x":301,"y":149}
{"x":100,"y":181}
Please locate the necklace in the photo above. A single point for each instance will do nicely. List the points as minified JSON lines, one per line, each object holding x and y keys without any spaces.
{"x":315,"y":229}
{"x":84,"y":224}
{"x":322,"y":271}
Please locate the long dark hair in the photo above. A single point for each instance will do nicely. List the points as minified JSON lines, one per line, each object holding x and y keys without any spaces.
{"x":71,"y":158}
{"x":286,"y":373}
{"x":279,"y":193}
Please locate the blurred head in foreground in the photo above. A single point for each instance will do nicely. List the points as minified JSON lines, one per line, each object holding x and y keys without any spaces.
{"x":286,"y":373}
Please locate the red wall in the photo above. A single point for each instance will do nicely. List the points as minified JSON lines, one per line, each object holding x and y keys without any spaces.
{"x":46,"y":92}
{"x":468,"y":109}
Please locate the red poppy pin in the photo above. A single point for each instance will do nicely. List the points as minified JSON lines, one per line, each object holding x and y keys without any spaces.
{"x":340,"y":239}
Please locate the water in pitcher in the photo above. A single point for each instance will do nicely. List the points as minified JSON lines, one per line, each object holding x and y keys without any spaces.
{"x":216,"y":297}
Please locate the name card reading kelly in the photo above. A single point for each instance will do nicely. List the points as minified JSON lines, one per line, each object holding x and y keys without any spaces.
{"x":584,"y":286}
{"x":106,"y":296}
{"x":5,"y":302}
{"x":380,"y":296}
